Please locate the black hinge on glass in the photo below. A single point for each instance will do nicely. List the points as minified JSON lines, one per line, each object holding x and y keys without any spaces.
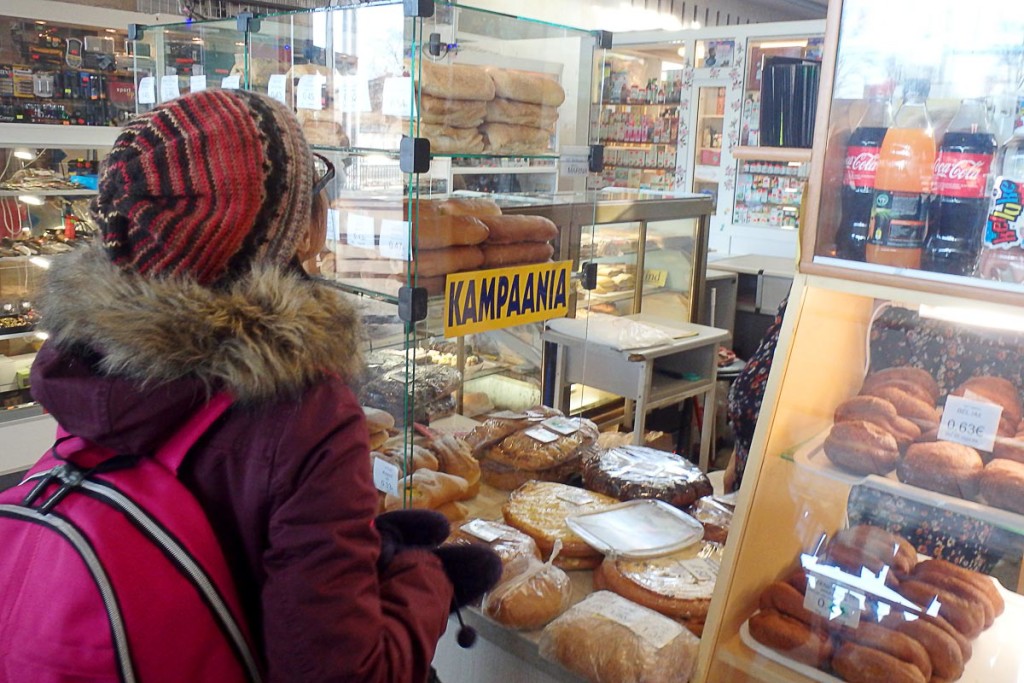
{"x":434,"y":46}
{"x":247,"y":22}
{"x":604,"y":40}
{"x":588,"y":276}
{"x":414,"y":155}
{"x":418,"y":8}
{"x":595,"y":161}
{"x":412,"y":304}
{"x":135,"y":31}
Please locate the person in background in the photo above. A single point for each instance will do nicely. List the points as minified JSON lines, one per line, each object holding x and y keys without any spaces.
{"x":745,"y":397}
{"x":207,"y":207}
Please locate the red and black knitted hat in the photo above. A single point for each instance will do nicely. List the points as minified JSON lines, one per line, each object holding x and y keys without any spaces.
{"x":205,"y":185}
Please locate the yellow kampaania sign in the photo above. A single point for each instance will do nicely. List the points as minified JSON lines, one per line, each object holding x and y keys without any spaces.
{"x":492,"y":299}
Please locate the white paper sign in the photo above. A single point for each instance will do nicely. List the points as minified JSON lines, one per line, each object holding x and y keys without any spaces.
{"x":541,"y":434}
{"x":333,"y":221}
{"x":309,"y":92}
{"x":360,"y":231}
{"x":397,"y":97}
{"x":277,"y":87}
{"x":574,"y":161}
{"x":562,"y":425}
{"x":483,"y":530}
{"x":197,"y":83}
{"x":169,"y":88}
{"x":230,"y":82}
{"x":394,"y":240}
{"x":834,"y":602}
{"x":351,"y":93}
{"x":971,"y":423}
{"x":385,"y":476}
{"x":147,"y":90}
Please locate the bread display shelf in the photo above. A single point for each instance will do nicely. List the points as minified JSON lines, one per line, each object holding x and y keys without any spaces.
{"x":811,"y":456}
{"x":996,"y":652}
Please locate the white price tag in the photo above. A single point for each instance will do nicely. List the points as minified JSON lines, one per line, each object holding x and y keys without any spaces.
{"x":197,"y":83}
{"x":277,"y":87}
{"x":571,"y":494}
{"x":309,"y":92}
{"x":333,"y":221}
{"x":971,"y":423}
{"x":397,"y":97}
{"x":147,"y":90}
{"x":541,"y":434}
{"x":352,"y":93}
{"x":699,"y":570}
{"x":360,"y":231}
{"x":385,"y":476}
{"x":169,"y":88}
{"x":394,"y":240}
{"x":562,"y":425}
{"x":574,"y":161}
{"x":231,"y":82}
{"x":834,"y":602}
{"x":483,"y":530}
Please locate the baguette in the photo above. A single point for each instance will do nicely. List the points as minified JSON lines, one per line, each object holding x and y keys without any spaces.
{"x":433,"y":262}
{"x":455,"y":81}
{"x":508,"y":138}
{"x":450,"y":140}
{"x":512,"y":229}
{"x":479,"y":207}
{"x":437,"y":232}
{"x":966,"y":618}
{"x":455,"y":113}
{"x":501,"y":110}
{"x":985,"y":583}
{"x":525,"y":86}
{"x":791,"y":637}
{"x":428,"y":490}
{"x":859,"y":664}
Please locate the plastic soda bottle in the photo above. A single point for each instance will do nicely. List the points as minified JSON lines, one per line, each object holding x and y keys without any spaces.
{"x":899,"y":213}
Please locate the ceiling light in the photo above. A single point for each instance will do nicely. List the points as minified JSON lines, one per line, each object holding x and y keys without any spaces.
{"x":33,"y":199}
{"x":24,"y":153}
{"x":973,"y":317}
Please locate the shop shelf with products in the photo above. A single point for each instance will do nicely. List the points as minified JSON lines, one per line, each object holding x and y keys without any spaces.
{"x":769,"y":193}
{"x":925,"y":348}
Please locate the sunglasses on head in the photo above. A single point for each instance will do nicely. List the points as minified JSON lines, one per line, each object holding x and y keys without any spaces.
{"x":323,"y":172}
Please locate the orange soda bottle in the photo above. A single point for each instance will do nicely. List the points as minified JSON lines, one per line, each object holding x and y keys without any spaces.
{"x":899,"y":212}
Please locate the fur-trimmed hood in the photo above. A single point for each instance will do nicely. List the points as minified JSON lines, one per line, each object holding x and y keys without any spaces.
{"x":268,"y":334}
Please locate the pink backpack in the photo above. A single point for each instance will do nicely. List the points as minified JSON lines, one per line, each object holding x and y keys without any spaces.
{"x":109,"y":571}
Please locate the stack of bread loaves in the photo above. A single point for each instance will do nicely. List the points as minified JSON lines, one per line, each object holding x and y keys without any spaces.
{"x":521,"y":118}
{"x":452,"y":106}
{"x":443,"y":473}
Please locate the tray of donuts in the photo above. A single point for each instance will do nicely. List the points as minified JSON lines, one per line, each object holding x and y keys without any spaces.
{"x":868,"y":608}
{"x":892,"y":429}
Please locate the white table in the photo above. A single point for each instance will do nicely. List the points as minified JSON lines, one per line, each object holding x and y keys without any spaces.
{"x":650,"y":377}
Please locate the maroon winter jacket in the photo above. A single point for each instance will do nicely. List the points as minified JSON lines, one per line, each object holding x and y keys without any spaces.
{"x":284,"y":476}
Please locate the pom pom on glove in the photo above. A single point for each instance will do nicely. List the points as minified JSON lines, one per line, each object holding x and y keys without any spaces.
{"x":472,"y":570}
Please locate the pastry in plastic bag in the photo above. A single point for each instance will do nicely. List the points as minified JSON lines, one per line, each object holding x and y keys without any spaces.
{"x":514,"y":547}
{"x":608,"y":639}
{"x":630,"y":472}
{"x":530,"y":598}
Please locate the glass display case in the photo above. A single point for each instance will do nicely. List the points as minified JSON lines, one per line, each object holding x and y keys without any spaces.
{"x":879,"y":529}
{"x":922,"y":196}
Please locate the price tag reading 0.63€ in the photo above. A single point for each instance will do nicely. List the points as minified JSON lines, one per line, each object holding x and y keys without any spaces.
{"x":971,"y":423}
{"x":833,"y":601}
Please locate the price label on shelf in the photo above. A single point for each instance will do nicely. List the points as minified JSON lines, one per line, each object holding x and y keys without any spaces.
{"x":352,"y":93}
{"x":147,"y":90}
{"x":360,"y":231}
{"x":394,"y":240}
{"x":385,"y":476}
{"x":197,"y":83}
{"x":574,"y":161}
{"x":833,"y":601}
{"x":309,"y":92}
{"x":655,"y":278}
{"x":971,"y":423}
{"x":169,"y":88}
{"x":333,"y":221}
{"x":230,"y":82}
{"x":277,"y":87}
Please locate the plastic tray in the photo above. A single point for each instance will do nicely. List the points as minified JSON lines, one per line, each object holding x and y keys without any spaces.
{"x":638,"y":528}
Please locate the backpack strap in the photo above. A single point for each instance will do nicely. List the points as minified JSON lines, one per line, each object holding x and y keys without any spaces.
{"x":174,"y":450}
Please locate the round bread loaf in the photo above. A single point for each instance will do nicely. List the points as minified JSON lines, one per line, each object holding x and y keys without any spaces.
{"x":861,"y":447}
{"x":943,"y":467}
{"x":966,"y":618}
{"x":1002,"y":485}
{"x":899,"y":645}
{"x":539,"y":509}
{"x":630,"y":472}
{"x":985,"y":583}
{"x":996,"y":390}
{"x":511,"y":545}
{"x":378,"y":420}
{"x":907,"y":405}
{"x":660,"y":583}
{"x":885,"y":548}
{"x":943,"y":651}
{"x":905,"y":373}
{"x":882,"y":413}
{"x":530,"y":600}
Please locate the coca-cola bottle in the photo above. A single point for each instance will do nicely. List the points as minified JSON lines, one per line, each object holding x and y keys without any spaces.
{"x":859,"y":176}
{"x":960,"y":179}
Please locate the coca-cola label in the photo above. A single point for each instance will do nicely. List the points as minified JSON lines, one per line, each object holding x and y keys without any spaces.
{"x":861,"y":164}
{"x":956,"y":174}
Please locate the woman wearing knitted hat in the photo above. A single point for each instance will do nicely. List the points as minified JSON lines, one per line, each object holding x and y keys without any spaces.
{"x":206,"y":208}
